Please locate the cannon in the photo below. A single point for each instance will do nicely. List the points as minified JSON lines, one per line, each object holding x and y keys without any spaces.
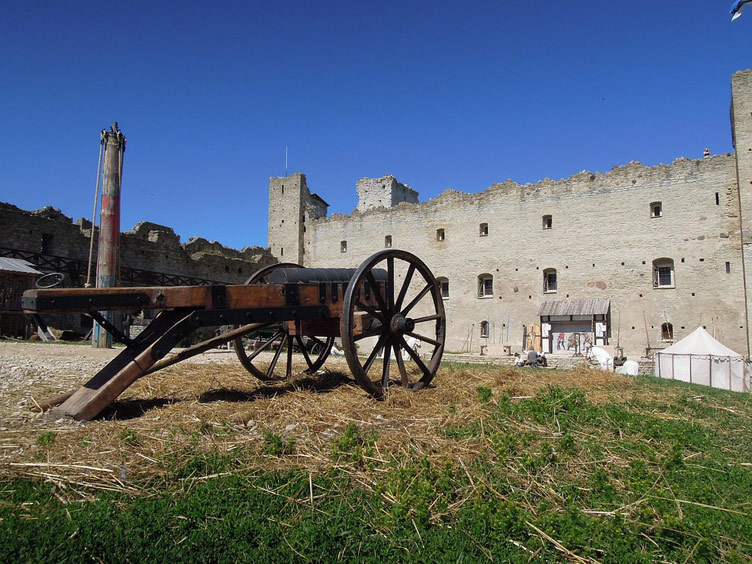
{"x":376,"y":310}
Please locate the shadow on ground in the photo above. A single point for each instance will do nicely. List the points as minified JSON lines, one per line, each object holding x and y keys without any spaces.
{"x":320,"y":383}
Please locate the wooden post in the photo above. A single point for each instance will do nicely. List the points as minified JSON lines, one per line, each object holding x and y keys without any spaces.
{"x":729,"y":365}
{"x":108,"y":253}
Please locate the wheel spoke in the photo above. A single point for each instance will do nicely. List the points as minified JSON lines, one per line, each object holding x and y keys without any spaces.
{"x":435,"y":317}
{"x":374,"y":353}
{"x":288,"y":368}
{"x":385,"y":367}
{"x":405,"y":287}
{"x":370,"y":333}
{"x":434,"y":342}
{"x":417,"y":298}
{"x":416,"y":358}
{"x":304,"y":351}
{"x":390,"y":283}
{"x":319,"y":341}
{"x":401,"y":365}
{"x":265,"y":346}
{"x":371,"y":310}
{"x":376,"y":292}
{"x":273,"y":363}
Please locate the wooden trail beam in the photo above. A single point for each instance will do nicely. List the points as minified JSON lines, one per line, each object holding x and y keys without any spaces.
{"x":55,"y":401}
{"x":168,"y":329}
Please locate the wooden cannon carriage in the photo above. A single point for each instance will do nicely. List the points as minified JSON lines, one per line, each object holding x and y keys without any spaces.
{"x":377,"y":310}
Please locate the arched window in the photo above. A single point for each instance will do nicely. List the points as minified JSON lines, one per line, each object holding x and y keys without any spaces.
{"x":484,"y":329}
{"x":443,"y":286}
{"x":549,"y":280}
{"x":667,"y":332}
{"x":485,"y":286}
{"x":663,"y":273}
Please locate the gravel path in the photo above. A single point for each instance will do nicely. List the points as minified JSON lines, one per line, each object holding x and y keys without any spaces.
{"x":30,"y":371}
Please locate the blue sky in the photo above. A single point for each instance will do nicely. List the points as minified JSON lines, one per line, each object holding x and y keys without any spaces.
{"x":459,"y":96}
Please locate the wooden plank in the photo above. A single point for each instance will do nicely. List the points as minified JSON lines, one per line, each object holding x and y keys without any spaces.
{"x":315,"y":328}
{"x":132,"y":363}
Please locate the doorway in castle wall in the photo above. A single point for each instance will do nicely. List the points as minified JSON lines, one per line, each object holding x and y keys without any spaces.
{"x":574,"y":326}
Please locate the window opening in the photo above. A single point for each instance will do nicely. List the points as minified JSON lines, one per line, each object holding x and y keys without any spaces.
{"x":483,"y":229}
{"x":46,"y":243}
{"x":440,"y":235}
{"x":388,"y":241}
{"x":663,"y":273}
{"x":484,"y":330}
{"x":485,"y":286}
{"x":667,"y":332}
{"x":443,"y":286}
{"x":343,"y":246}
{"x":549,"y":280}
{"x":547,"y":222}
{"x":656,"y":209}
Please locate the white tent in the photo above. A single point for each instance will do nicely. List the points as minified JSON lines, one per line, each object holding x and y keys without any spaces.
{"x":699,"y":359}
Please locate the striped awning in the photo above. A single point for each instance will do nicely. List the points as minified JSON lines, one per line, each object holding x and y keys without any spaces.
{"x":586,"y":306}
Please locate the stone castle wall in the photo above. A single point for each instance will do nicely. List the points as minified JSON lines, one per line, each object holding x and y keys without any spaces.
{"x":148,"y":246}
{"x":602,"y":242}
{"x":605,"y":235}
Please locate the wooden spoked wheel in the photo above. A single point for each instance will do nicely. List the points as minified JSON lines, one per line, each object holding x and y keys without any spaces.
{"x":275,"y":338}
{"x":393,"y":301}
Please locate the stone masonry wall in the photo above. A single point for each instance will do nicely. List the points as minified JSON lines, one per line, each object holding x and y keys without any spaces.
{"x":741,"y":123}
{"x":383,"y":192}
{"x":147,"y":246}
{"x":602,"y":243}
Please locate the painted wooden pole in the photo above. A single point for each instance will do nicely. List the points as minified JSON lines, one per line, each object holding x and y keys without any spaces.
{"x":108,"y":251}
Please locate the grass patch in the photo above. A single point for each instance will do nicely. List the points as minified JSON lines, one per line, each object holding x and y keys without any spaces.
{"x":608,"y":470}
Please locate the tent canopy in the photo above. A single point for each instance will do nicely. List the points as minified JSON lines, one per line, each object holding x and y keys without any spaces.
{"x":699,"y":359}
{"x":700,"y":342}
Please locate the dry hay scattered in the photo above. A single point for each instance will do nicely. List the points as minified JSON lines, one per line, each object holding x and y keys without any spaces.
{"x":212,"y":405}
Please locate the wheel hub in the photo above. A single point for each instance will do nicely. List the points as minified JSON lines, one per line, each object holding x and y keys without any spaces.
{"x":401,"y":324}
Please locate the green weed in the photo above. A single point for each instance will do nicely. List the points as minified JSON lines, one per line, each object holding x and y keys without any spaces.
{"x":484,"y":394}
{"x":46,"y":439}
{"x":353,"y":445}
{"x":276,"y":445}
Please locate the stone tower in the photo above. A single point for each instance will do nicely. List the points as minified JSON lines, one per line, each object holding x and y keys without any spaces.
{"x":290,"y":203}
{"x":384,"y":192}
{"x":741,"y":131}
